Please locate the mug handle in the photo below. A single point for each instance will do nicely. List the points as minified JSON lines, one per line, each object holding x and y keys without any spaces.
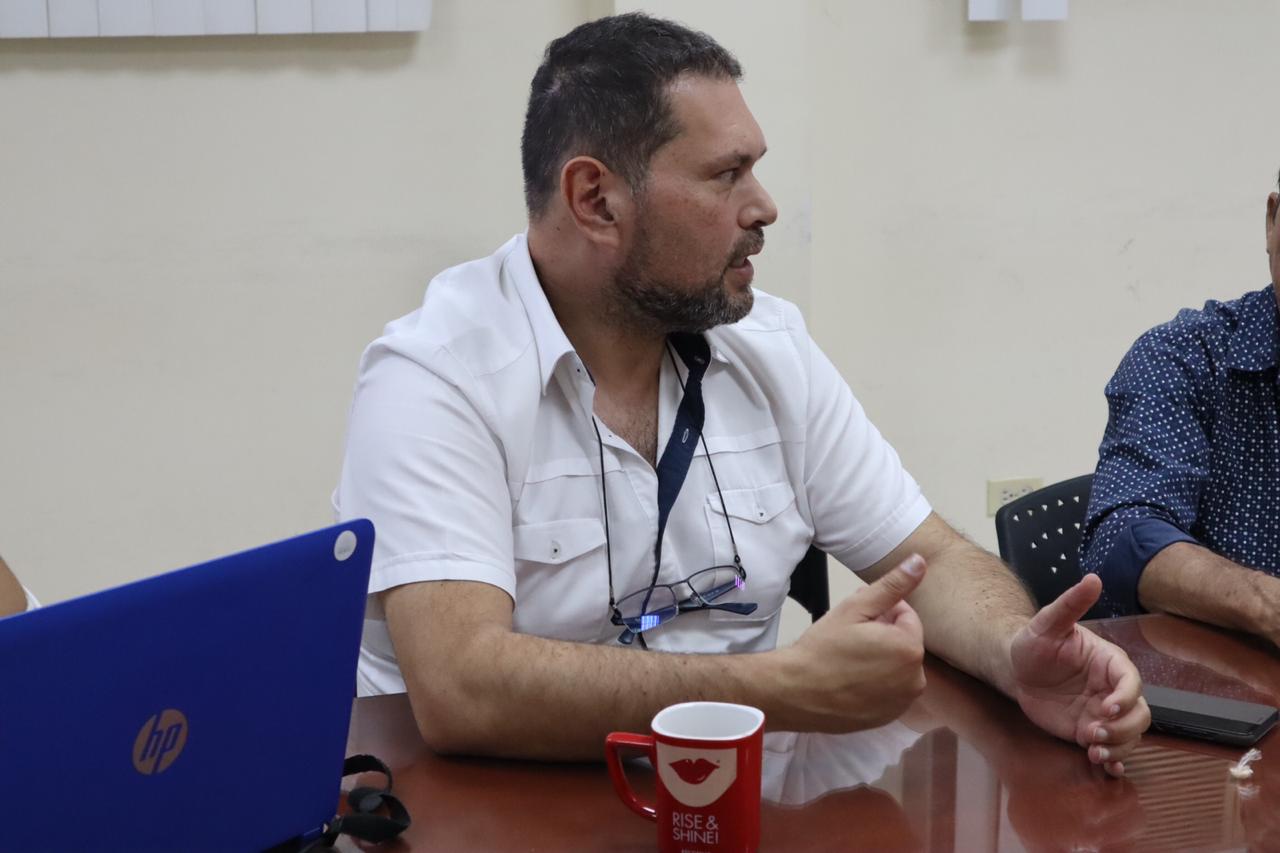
{"x":620,"y":740}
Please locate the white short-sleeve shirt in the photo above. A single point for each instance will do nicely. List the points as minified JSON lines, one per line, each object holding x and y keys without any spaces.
{"x":471,"y":447}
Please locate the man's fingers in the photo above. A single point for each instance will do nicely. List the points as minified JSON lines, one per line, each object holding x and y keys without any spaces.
{"x":1122,"y":679}
{"x":1128,"y":684}
{"x":1126,"y":728}
{"x":904,"y":618}
{"x":1102,"y":753}
{"x":1056,"y":618}
{"x":895,"y":612}
{"x":878,"y":598}
{"x":1113,"y":741}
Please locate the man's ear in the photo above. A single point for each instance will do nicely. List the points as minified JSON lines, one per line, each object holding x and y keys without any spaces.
{"x":596,"y":198}
{"x":1273,"y":206}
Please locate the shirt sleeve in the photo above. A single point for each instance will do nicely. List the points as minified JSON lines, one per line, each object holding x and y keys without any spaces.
{"x":864,"y":503}
{"x":1153,"y":464}
{"x":424,"y":466}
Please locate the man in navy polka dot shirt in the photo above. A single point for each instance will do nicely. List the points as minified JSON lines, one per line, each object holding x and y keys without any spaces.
{"x":1185,"y":511}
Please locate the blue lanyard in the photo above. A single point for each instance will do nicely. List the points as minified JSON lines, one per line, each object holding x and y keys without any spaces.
{"x":678,"y":455}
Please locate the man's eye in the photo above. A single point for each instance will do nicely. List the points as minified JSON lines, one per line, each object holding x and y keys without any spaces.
{"x":729,"y":175}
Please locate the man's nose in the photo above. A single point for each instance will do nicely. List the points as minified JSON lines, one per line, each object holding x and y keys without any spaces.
{"x":760,"y":211}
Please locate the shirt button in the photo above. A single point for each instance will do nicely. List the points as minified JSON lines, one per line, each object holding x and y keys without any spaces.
{"x":555,"y":549}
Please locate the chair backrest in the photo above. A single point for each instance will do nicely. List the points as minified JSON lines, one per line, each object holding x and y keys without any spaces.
{"x":1039,"y":536}
{"x":809,"y":583}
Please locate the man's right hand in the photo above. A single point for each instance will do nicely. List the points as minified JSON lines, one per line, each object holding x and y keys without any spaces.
{"x":861,"y":664}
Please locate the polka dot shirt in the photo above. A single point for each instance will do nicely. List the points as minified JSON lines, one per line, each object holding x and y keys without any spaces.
{"x":1192,"y":446}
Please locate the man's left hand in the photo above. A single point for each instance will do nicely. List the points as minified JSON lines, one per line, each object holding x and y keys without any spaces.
{"x":1076,"y":685}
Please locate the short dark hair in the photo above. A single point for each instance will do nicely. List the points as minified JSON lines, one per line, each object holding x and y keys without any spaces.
{"x":601,"y":90}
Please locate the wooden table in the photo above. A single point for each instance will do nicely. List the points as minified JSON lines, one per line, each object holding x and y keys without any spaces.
{"x":962,"y":771}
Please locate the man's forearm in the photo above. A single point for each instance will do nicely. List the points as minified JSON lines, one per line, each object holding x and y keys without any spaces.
{"x":479,"y":687}
{"x":1190,"y":580}
{"x":971,"y":606}
{"x":530,"y":697}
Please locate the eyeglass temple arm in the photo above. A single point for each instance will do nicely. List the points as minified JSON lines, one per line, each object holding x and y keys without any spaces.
{"x":744,"y":608}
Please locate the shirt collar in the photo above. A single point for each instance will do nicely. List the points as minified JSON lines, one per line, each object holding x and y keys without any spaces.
{"x":548,"y":338}
{"x":1254,"y":345}
{"x":718,"y":353}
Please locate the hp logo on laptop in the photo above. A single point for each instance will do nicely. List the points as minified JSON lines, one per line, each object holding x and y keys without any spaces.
{"x":160,"y":742}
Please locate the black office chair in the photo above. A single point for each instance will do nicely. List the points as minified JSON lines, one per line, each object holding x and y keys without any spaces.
{"x":1039,"y":536}
{"x":809,"y":584}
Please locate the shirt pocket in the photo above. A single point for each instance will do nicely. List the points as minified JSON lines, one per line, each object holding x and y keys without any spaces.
{"x":560,"y":565}
{"x":557,"y":542}
{"x":771,"y":536}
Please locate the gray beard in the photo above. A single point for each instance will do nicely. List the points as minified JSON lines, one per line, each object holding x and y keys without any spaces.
{"x":663,"y":308}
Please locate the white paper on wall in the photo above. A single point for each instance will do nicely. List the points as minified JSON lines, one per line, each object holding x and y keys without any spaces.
{"x":24,"y":19}
{"x":990,"y":10}
{"x":125,"y":18}
{"x":1044,"y":10}
{"x":383,"y":15}
{"x":339,"y":16}
{"x":73,"y":17}
{"x":59,"y":18}
{"x":179,"y":17}
{"x":413,"y":14}
{"x":284,"y":16}
{"x":228,"y":17}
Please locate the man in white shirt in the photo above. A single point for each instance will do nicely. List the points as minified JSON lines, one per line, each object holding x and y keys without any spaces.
{"x":599,"y":440}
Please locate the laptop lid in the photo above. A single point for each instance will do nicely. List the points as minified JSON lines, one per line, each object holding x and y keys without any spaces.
{"x":203,"y":709}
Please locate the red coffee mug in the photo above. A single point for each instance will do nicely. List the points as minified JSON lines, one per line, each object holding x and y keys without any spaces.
{"x":707,"y":757}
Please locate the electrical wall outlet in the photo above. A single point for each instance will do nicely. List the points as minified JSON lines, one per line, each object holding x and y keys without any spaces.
{"x":1000,"y":492}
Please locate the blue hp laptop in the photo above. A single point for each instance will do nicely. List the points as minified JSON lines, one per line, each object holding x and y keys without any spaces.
{"x":203,"y":709}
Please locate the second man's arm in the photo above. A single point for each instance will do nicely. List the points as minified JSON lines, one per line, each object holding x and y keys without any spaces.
{"x":1190,"y":580}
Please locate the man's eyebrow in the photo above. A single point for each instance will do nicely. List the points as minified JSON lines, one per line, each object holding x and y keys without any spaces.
{"x":737,"y":159}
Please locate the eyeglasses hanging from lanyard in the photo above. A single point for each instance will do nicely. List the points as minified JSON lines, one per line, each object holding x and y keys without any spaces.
{"x":657,"y":604}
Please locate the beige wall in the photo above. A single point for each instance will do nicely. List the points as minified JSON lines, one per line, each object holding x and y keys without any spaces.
{"x":198,"y":236}
{"x":1005,"y":208}
{"x":997,"y":210}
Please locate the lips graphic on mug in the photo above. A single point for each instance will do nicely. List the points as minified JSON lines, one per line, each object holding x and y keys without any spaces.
{"x":694,"y":772}
{"x":696,"y":776}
